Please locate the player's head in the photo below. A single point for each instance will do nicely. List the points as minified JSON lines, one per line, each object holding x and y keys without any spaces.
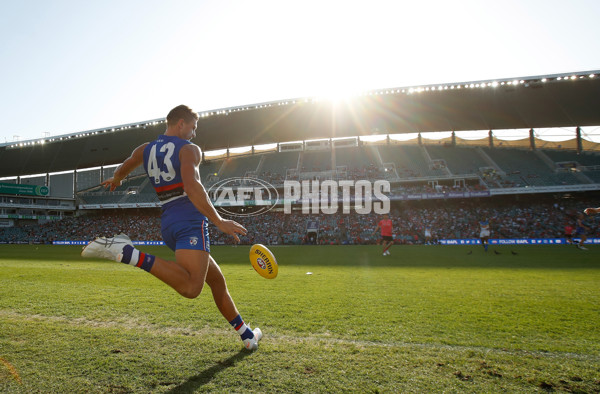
{"x":184,"y":119}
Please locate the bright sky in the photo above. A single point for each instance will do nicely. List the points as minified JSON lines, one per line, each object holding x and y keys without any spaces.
{"x":72,"y":65}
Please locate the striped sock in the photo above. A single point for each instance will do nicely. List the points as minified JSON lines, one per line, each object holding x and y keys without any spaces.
{"x":241,"y":328}
{"x":134,"y":257}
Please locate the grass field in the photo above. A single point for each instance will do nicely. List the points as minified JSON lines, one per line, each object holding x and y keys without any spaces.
{"x":426,"y":319}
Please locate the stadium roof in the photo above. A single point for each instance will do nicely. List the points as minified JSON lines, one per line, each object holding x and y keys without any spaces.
{"x":560,"y":100}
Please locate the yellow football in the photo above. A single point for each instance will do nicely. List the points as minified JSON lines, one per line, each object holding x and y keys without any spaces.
{"x":263,"y":261}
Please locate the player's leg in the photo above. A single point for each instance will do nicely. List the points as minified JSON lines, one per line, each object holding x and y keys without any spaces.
{"x":187,"y":274}
{"x":386,"y":246}
{"x":583,"y":239}
{"x":218,"y":285}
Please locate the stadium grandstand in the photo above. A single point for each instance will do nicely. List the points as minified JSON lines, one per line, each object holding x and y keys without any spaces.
{"x":452,"y":153}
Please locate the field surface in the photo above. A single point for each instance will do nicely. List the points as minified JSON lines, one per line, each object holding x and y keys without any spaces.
{"x":425,"y":319}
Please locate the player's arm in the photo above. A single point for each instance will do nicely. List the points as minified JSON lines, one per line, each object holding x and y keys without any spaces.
{"x":131,"y":163}
{"x":591,"y":211}
{"x":189,"y":157}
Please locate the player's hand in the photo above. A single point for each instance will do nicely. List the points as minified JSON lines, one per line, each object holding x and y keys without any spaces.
{"x":589,"y":211}
{"x":232,"y":228}
{"x":111,"y":184}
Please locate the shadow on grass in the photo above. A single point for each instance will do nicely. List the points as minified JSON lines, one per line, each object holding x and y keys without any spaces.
{"x":204,"y":377}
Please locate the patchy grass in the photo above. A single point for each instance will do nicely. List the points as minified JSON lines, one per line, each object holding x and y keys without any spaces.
{"x":424,"y":319}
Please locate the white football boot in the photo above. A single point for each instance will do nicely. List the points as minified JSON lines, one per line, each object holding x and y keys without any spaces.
{"x":107,"y":248}
{"x":252,"y":343}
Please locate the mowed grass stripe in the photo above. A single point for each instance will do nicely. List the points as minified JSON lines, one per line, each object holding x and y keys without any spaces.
{"x":226,"y":334}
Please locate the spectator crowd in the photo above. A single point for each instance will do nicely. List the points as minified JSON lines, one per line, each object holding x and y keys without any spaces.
{"x":455,"y":219}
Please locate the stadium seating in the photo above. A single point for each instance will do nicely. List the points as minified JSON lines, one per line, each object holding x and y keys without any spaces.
{"x":593,"y":175}
{"x":409,"y":160}
{"x":240,"y":166}
{"x":511,"y":160}
{"x":279,"y":162}
{"x":209,"y":171}
{"x":314,"y":161}
{"x":584,"y":159}
{"x":356,"y":157}
{"x":459,"y":160}
{"x":524,"y":168}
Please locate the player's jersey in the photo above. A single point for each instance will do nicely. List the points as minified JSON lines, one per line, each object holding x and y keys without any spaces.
{"x":386,"y":227}
{"x":580,"y":230}
{"x":484,"y":225}
{"x":161,"y":162}
{"x":162,"y":165}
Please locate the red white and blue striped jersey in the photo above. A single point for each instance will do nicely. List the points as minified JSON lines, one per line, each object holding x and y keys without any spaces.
{"x":161,"y":162}
{"x":162,"y":165}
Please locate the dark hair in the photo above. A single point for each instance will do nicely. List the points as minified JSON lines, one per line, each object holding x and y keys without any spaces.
{"x":181,"y":112}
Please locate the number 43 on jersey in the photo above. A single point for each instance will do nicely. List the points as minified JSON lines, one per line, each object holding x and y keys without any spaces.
{"x":154,"y":168}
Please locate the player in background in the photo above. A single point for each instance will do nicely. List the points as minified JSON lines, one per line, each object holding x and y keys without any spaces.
{"x":581,"y":228}
{"x":484,"y":233}
{"x":171,"y":163}
{"x":428,"y":235}
{"x":387,"y":237}
{"x":569,"y":233}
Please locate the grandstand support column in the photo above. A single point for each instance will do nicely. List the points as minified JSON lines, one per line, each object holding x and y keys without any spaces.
{"x":453,"y":139}
{"x":578,"y":137}
{"x":491,"y":138}
{"x":531,"y":140}
{"x":420,"y":140}
{"x":333,"y":160}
